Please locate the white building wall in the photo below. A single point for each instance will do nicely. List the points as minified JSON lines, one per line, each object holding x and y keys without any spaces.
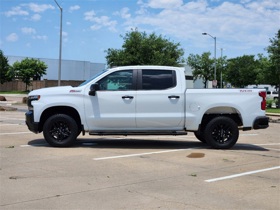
{"x":70,"y":69}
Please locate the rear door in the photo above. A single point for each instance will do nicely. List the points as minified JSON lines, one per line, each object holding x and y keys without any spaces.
{"x":160,"y":100}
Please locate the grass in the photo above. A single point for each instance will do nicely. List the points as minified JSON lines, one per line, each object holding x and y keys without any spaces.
{"x":14,"y":92}
{"x":273,"y":110}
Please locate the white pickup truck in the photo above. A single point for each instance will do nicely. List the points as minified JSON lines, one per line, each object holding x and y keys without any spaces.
{"x":144,"y":100}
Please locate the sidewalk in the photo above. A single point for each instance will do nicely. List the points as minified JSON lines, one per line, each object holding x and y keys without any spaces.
{"x":13,"y":102}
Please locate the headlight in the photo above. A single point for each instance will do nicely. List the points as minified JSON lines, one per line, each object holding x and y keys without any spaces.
{"x":30,"y":99}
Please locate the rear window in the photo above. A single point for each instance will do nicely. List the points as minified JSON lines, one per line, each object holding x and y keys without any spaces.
{"x":158,"y":79}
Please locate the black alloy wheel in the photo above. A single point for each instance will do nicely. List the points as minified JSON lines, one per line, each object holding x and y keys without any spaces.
{"x":60,"y":130}
{"x":221,"y":133}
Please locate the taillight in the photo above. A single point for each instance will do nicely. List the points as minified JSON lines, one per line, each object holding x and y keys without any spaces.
{"x":263,"y":95}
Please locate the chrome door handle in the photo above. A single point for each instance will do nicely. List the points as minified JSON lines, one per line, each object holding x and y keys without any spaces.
{"x":173,"y":97}
{"x":127,"y":97}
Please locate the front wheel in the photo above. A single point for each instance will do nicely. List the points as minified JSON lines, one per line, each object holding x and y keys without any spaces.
{"x":60,"y":130}
{"x":221,"y":133}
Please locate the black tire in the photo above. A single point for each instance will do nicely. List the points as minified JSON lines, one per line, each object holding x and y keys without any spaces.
{"x":60,"y":130}
{"x":199,"y":136}
{"x":221,"y":133}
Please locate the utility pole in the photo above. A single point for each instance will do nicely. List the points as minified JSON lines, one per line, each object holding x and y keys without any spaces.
{"x":60,"y":44}
{"x":222,"y":65}
{"x":215,"y":66}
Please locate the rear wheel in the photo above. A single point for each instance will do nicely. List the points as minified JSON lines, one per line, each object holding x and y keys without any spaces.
{"x":221,"y":133}
{"x":60,"y":130}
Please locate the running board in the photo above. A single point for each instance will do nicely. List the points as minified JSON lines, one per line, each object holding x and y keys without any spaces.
{"x":126,"y":133}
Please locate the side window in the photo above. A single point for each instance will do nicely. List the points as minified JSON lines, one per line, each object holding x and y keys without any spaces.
{"x":158,"y":79}
{"x":120,"y":80}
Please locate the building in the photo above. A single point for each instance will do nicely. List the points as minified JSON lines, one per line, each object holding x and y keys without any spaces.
{"x":70,"y":69}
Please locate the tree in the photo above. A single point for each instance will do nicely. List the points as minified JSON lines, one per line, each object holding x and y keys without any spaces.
{"x":202,"y":67}
{"x":263,"y":65}
{"x":273,"y":73}
{"x":142,"y":49}
{"x":241,"y":71}
{"x":4,"y":68}
{"x":28,"y":69}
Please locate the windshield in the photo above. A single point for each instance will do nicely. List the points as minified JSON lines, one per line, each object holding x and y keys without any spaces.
{"x":87,"y":81}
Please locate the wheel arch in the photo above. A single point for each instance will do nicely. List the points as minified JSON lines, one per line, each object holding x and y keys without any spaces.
{"x":60,"y":110}
{"x":226,"y":111}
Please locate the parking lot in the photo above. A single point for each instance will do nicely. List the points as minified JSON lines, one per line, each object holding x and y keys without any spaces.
{"x":137,"y":172}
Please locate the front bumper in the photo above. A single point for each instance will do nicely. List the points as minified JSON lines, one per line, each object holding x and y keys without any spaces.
{"x":261,"y":122}
{"x":29,"y":120}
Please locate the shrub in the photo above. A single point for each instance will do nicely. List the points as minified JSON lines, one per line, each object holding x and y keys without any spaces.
{"x":269,"y":103}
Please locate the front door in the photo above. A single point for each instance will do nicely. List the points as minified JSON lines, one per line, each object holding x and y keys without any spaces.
{"x":113,"y":106}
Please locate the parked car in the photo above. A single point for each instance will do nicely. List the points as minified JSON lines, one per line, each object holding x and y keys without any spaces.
{"x":272,"y":95}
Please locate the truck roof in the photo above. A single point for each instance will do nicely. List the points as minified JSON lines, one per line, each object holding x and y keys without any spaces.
{"x":154,"y":67}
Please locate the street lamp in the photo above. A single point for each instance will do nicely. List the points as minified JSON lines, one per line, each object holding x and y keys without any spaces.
{"x":215,"y":44}
{"x":222,"y":65}
{"x":60,"y":44}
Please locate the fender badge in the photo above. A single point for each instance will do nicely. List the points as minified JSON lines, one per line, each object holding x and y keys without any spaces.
{"x":75,"y":91}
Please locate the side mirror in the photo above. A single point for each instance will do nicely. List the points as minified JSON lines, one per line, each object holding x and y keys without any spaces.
{"x":93,"y":88}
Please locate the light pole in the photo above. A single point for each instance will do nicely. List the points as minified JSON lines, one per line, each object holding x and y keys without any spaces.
{"x":215,"y":45}
{"x":60,"y":44}
{"x":222,"y":65}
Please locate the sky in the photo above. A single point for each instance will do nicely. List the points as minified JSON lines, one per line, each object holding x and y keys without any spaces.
{"x":31,"y":28}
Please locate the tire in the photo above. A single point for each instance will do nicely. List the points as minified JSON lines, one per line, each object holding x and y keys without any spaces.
{"x":60,"y":130}
{"x":199,"y":136}
{"x":221,"y":133}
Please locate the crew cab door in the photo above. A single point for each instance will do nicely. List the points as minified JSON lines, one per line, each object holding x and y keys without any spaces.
{"x":160,"y":100}
{"x":113,"y":106}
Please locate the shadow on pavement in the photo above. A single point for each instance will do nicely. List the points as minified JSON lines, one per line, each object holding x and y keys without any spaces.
{"x":128,"y":143}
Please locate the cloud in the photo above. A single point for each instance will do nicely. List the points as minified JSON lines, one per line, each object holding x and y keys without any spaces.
{"x":40,"y":37}
{"x":38,"y":7}
{"x":65,"y":36}
{"x":124,"y":13}
{"x":16,"y":11}
{"x":100,"y":22}
{"x":73,"y":8}
{"x":26,"y":9}
{"x":249,"y":23}
{"x":36,"y":17}
{"x":166,"y":4}
{"x":89,"y":15}
{"x":13,"y":37}
{"x":28,"y":30}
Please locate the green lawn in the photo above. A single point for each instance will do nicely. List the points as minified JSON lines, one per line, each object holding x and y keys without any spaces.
{"x":13,"y":92}
{"x":272,"y":110}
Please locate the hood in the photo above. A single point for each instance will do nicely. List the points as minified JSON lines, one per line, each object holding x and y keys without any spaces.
{"x":55,"y":90}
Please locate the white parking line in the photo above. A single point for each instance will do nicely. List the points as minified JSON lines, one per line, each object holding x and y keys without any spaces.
{"x":33,"y":145}
{"x":270,"y":144}
{"x":12,"y":124}
{"x":241,"y":174}
{"x":249,"y":134}
{"x":7,"y":118}
{"x":17,"y":133}
{"x":140,"y":154}
{"x":273,"y":149}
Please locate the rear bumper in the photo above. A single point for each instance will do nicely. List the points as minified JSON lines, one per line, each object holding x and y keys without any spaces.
{"x":261,"y":123}
{"x":29,"y":120}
